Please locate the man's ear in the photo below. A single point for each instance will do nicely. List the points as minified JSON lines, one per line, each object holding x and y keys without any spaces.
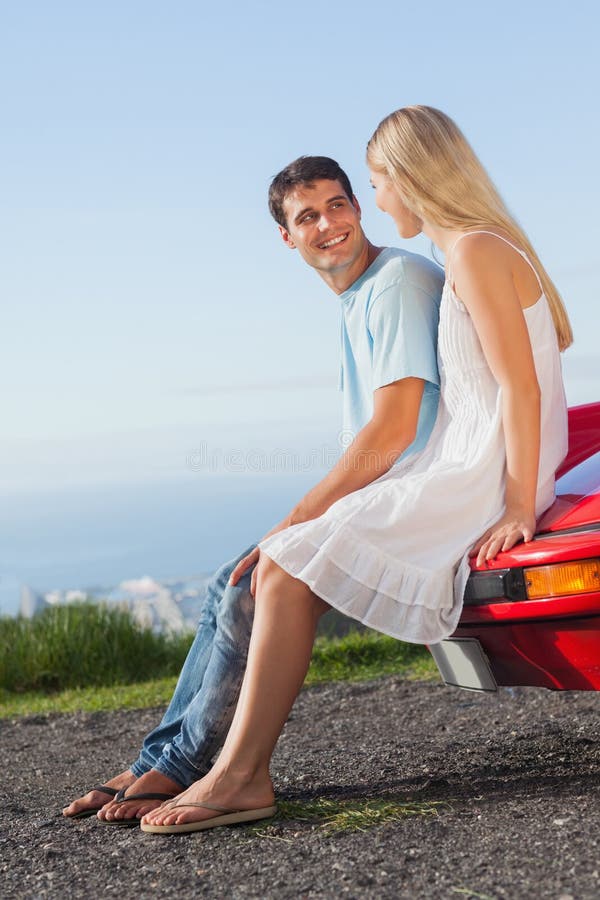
{"x":286,"y":237}
{"x":356,"y":206}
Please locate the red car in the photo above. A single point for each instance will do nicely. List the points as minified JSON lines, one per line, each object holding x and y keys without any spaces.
{"x":532,"y":615}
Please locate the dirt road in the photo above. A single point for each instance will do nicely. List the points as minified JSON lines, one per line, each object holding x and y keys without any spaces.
{"x":513,"y":782}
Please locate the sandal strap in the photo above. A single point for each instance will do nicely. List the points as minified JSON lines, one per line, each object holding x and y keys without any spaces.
{"x":221,"y":809}
{"x":121,"y":798}
{"x":105,"y":789}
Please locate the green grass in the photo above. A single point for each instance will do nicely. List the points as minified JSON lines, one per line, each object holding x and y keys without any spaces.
{"x":351,"y":815}
{"x":360,"y":656}
{"x":473,"y":895}
{"x":88,"y":699}
{"x":341,"y":816}
{"x":91,"y":658}
{"x":83,"y":644}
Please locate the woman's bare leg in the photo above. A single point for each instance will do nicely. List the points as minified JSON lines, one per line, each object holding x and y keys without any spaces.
{"x":285,"y":621}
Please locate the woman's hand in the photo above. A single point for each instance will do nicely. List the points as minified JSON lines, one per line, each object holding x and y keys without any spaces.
{"x":504,"y":534}
{"x":252,"y":560}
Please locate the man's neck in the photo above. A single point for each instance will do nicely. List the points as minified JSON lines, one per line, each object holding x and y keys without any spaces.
{"x":342,"y":280}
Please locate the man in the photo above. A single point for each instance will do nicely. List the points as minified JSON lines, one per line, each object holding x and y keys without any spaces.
{"x":390,"y":300}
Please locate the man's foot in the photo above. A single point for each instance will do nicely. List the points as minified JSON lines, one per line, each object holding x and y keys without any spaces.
{"x":224,"y":791}
{"x":94,"y":800}
{"x":151,"y":782}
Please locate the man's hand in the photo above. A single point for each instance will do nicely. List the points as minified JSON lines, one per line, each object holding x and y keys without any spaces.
{"x":373,"y":451}
{"x":252,"y":560}
{"x":243,"y":566}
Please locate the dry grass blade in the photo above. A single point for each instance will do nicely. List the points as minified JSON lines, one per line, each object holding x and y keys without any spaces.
{"x":335,"y":816}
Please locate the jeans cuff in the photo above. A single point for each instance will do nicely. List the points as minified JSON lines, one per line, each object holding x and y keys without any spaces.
{"x":180,"y":770}
{"x":139,"y":769}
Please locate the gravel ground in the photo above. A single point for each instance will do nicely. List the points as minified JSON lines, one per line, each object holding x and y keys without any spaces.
{"x":516,"y":776}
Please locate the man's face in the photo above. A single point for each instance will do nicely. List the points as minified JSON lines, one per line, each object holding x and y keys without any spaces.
{"x":323,"y":224}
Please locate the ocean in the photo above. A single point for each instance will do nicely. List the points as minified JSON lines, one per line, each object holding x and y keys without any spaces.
{"x":97,"y":536}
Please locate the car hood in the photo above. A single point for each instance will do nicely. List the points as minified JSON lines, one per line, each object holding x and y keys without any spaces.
{"x":577,"y":498}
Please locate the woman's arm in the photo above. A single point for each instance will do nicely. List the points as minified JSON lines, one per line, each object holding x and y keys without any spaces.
{"x":483,"y":270}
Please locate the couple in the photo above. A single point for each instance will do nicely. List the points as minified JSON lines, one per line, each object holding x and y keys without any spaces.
{"x":383,"y":539}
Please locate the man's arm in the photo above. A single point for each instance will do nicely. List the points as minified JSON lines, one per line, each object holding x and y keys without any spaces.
{"x":402,"y":323}
{"x":391,"y":429}
{"x":372,"y":453}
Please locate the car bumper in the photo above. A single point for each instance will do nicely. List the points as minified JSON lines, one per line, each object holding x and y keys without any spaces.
{"x":559,"y":652}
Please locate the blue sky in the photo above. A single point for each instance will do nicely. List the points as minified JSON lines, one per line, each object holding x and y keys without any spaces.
{"x":149,"y":306}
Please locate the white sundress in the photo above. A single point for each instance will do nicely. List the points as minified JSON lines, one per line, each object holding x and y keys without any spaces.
{"x":394,"y":554}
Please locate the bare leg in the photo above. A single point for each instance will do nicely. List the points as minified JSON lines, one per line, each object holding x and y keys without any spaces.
{"x":283,"y":634}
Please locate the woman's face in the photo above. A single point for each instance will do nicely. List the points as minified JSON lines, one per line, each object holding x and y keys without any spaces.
{"x":389,"y":201}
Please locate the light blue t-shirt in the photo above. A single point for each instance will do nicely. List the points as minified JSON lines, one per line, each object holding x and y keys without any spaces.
{"x":389,"y":332}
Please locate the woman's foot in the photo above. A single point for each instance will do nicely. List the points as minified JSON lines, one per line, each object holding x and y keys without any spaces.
{"x":224,"y":790}
{"x":94,"y":799}
{"x":151,"y":782}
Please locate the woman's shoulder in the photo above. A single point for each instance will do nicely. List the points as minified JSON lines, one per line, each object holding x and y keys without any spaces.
{"x":479,"y":248}
{"x":484,"y":257}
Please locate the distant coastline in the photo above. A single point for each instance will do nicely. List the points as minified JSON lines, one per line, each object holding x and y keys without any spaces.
{"x":99,"y":536}
{"x":172,"y":605}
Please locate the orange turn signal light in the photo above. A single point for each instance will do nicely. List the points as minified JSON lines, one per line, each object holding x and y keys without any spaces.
{"x":581,"y":577}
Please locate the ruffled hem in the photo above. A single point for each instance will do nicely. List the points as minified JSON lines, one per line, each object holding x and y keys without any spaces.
{"x":409,"y":603}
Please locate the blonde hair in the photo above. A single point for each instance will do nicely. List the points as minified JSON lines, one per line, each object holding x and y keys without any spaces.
{"x":439,"y":177}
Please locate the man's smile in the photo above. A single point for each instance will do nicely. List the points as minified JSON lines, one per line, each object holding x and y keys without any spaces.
{"x":332,"y":242}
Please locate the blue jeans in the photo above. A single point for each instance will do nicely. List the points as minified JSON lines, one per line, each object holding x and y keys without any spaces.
{"x":198,"y":717}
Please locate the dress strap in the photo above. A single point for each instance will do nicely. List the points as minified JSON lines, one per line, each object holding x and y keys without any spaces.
{"x":499,"y":236}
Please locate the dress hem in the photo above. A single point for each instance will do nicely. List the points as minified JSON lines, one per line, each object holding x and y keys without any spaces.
{"x":375,"y":601}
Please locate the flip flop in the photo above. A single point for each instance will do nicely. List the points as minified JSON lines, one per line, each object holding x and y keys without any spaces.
{"x":228,"y":817}
{"x":121,"y":798}
{"x":86,"y":813}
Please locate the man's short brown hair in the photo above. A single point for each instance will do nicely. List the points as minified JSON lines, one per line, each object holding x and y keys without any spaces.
{"x":304,"y":171}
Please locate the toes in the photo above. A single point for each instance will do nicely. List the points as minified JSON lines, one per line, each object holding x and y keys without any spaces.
{"x":158,"y":817}
{"x":127,"y":811}
{"x":170,"y":819}
{"x":151,"y":818}
{"x":113,"y":811}
{"x":88,"y":801}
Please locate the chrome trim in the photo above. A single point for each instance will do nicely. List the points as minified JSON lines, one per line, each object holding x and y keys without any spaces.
{"x":577,"y":529}
{"x":463,"y":663}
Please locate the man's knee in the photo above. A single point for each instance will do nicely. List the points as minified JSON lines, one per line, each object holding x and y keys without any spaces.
{"x":220,"y":579}
{"x":216,"y":588}
{"x":235,"y":613}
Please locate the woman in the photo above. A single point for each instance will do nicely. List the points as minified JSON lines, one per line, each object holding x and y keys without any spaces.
{"x":395,"y":553}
